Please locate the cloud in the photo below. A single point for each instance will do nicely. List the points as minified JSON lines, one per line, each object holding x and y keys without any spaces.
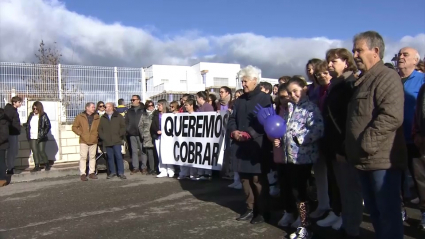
{"x":85,"y":40}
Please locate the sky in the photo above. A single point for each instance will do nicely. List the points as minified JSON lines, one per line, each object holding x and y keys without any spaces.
{"x":279,"y":37}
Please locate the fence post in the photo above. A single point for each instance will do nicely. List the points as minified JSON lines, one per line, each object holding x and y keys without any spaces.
{"x":60,"y":82}
{"x":143,"y":75}
{"x":116,"y":84}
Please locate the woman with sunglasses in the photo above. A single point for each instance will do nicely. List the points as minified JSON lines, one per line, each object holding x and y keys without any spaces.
{"x":37,"y":127}
{"x":101,"y":108}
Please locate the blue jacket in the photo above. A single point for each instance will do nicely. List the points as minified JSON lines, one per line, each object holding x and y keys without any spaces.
{"x":411,"y":89}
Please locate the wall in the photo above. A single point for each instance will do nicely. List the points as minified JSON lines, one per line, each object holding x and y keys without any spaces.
{"x":220,"y":70}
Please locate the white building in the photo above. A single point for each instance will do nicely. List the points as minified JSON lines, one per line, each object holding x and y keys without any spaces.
{"x":170,"y":82}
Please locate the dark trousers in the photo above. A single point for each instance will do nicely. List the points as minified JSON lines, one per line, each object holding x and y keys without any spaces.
{"x":114,"y":153}
{"x":39,"y":152}
{"x":150,"y":154}
{"x":293,"y":179}
{"x":256,"y":191}
{"x":381,"y":194}
{"x":334,"y":193}
{"x":3,"y":164}
{"x":412,"y":152}
{"x":419,"y":171}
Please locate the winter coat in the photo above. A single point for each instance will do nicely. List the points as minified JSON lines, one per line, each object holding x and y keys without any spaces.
{"x":112,"y":131}
{"x":419,"y":120}
{"x":88,"y":135}
{"x":43,"y":127}
{"x":253,"y":155}
{"x":304,"y":128}
{"x":132,"y":119}
{"x":4,"y":131}
{"x":374,"y":137}
{"x":144,"y":129}
{"x":335,"y":115}
{"x":12,"y":116}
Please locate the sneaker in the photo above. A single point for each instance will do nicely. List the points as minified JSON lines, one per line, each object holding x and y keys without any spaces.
{"x":122,"y":177}
{"x":92,"y":176}
{"x":301,"y":233}
{"x":233,"y":184}
{"x":183,"y":177}
{"x":162,"y":175}
{"x":205,"y":177}
{"x":11,"y":171}
{"x":329,"y":220}
{"x":287,"y":220}
{"x":422,"y":224}
{"x":238,"y":186}
{"x":274,"y":191}
{"x":297,"y":223}
{"x":404,"y":214}
{"x":110,"y":176}
{"x":194,"y":178}
{"x":83,"y":177}
{"x":318,"y":213}
{"x":415,"y":201}
{"x":171,"y":175}
{"x":337,"y":225}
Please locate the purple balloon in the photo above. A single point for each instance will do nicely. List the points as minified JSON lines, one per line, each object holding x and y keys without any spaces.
{"x":275,"y":126}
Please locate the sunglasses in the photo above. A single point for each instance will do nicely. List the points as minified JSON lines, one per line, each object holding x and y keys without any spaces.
{"x":34,"y":108}
{"x":133,"y":100}
{"x":101,"y":106}
{"x":150,"y":105}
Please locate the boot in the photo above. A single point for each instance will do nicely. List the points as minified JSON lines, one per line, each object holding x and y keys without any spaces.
{"x":47,"y":167}
{"x":36,"y":168}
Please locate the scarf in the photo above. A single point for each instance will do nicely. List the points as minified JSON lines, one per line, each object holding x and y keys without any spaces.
{"x":225,"y":101}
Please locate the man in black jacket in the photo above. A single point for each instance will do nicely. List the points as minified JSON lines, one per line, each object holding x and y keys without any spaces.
{"x":12,"y":115}
{"x":4,"y":145}
{"x":132,"y":120}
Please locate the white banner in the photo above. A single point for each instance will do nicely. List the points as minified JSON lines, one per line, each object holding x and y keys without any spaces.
{"x":194,"y":140}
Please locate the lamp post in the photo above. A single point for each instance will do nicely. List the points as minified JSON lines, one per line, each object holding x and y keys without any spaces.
{"x":395,"y":60}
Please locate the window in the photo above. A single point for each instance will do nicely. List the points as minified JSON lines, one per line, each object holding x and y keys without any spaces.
{"x":221,"y":81}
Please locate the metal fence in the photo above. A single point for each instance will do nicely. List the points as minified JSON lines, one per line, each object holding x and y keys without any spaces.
{"x":74,"y":86}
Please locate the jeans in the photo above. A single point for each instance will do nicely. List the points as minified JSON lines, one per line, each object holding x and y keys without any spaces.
{"x":2,"y":164}
{"x":320,"y":174}
{"x":39,"y":152}
{"x":136,"y":144}
{"x":381,"y":194}
{"x":114,"y":153}
{"x":12,"y":152}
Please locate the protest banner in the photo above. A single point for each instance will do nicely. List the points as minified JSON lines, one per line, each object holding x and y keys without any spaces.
{"x":194,"y":140}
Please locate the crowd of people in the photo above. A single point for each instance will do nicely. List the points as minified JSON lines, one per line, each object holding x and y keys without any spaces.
{"x":359,"y":127}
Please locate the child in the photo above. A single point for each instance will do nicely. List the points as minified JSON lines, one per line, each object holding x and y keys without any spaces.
{"x":300,"y":146}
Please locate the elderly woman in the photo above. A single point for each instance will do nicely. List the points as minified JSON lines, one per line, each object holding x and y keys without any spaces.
{"x":250,"y":149}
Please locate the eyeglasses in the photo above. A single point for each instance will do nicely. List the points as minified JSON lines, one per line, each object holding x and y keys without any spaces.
{"x":134,"y":100}
{"x":101,"y":106}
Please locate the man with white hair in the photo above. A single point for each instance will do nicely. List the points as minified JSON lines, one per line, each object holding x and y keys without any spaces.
{"x":250,"y":148}
{"x":112,"y":132}
{"x":412,"y":80}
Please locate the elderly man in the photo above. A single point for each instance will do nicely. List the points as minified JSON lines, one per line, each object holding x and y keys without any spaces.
{"x":85,"y":125}
{"x":374,"y":137}
{"x":408,"y":59}
{"x":112,"y":132}
{"x":250,"y":149}
{"x":419,"y":139}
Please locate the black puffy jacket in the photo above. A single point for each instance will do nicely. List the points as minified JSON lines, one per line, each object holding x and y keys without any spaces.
{"x":43,"y":127}
{"x":4,"y":130}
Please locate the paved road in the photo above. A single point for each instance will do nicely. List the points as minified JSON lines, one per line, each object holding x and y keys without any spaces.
{"x":140,"y":207}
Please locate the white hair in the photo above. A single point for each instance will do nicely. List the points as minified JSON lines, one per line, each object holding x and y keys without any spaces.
{"x":250,"y":72}
{"x":417,"y":56}
{"x":111,"y":103}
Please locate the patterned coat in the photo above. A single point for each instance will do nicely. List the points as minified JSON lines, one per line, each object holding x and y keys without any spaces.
{"x":304,"y":128}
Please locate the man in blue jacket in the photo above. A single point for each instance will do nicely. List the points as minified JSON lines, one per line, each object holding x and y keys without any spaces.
{"x":412,"y":80}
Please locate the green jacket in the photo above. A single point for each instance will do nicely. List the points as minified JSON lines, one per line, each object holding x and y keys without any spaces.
{"x":112,"y":131}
